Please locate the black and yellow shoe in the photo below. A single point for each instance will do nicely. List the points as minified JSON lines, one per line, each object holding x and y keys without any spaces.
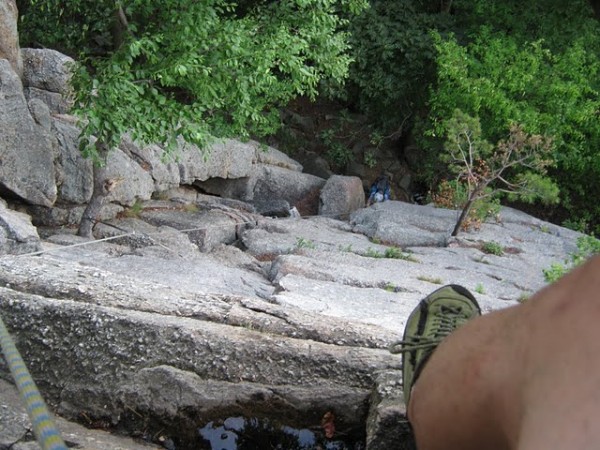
{"x":434,"y":318}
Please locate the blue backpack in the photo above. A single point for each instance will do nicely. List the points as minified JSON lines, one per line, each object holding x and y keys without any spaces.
{"x":380,"y":190}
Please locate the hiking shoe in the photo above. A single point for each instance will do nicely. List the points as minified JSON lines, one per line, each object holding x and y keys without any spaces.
{"x":434,"y":318}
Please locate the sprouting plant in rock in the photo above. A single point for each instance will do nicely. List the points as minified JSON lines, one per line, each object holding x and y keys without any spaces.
{"x":305,"y":243}
{"x":428,"y":279}
{"x":492,"y":248}
{"x":514,"y":166}
{"x":392,"y":253}
{"x":587,"y":246}
{"x":480,"y":289}
{"x":390,"y":287}
{"x":191,"y":208}
{"x":345,"y":248}
{"x":135,"y":210}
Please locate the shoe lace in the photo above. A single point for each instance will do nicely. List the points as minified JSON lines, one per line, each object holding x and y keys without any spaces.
{"x":444,"y":322}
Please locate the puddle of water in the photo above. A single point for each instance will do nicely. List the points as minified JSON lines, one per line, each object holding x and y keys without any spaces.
{"x":240,"y":433}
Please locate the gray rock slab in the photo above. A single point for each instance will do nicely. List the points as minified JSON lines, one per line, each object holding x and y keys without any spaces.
{"x":205,"y":228}
{"x":75,"y":182}
{"x":298,"y":189}
{"x":282,"y":236}
{"x":17,"y":234}
{"x":404,"y":224}
{"x":341,"y":196}
{"x":226,"y":158}
{"x":114,"y":345}
{"x":183,"y":390}
{"x":132,"y":181}
{"x":375,"y":306}
{"x":387,"y":425}
{"x":69,"y":272}
{"x":46,"y":69}
{"x":28,"y":150}
{"x":15,"y":429}
{"x":162,"y":168}
{"x":273,"y":157}
{"x":9,"y":35}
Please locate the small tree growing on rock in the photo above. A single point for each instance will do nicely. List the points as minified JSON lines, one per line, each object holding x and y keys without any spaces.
{"x":515,"y":166}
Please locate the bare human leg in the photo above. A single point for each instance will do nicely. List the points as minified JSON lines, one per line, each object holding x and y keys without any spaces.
{"x":527,"y":377}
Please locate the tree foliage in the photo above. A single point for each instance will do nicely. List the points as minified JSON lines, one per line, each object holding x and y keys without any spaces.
{"x":394,"y":54}
{"x":544,"y":78}
{"x":221,"y":68}
{"x":193,"y":69}
{"x":515,"y":165}
{"x":190,"y":69}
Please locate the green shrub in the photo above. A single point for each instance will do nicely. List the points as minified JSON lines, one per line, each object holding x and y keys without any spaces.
{"x":492,"y":248}
{"x":587,"y":246}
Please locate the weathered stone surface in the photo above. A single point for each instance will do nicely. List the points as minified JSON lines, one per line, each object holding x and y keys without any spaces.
{"x":297,"y":333}
{"x":206,"y":229}
{"x":387,"y":426}
{"x":40,"y":113}
{"x":57,"y":103}
{"x":165,"y":173}
{"x":132,"y":181}
{"x":186,"y":391}
{"x":17,"y":234}
{"x":15,"y":429}
{"x":46,"y":69}
{"x":85,"y":319}
{"x":223,"y":159}
{"x":298,"y":189}
{"x":9,"y":37}
{"x":398,"y":223}
{"x":273,"y":157}
{"x":341,"y":196}
{"x":28,"y":150}
{"x":75,"y":182}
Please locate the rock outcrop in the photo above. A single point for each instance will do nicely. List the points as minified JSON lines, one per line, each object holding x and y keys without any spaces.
{"x":201,"y":301}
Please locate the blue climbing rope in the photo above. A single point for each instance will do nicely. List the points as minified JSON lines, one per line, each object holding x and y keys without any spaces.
{"x":44,"y":429}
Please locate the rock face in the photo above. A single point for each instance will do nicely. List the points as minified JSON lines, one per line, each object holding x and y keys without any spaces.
{"x":28,"y":149}
{"x":9,"y":37}
{"x":341,"y":196}
{"x":289,"y":320}
{"x":192,"y":307}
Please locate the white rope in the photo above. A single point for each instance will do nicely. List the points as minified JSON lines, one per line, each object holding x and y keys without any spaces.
{"x":189,"y":230}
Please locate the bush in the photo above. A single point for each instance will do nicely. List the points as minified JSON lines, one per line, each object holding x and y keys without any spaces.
{"x":587,"y":246}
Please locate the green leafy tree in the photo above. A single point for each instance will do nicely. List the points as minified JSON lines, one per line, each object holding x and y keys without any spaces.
{"x":515,"y":165}
{"x":189,"y":69}
{"x":536,"y":64}
{"x":393,"y":56}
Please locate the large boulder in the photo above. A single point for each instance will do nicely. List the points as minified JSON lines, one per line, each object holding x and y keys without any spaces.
{"x":9,"y":36}
{"x":46,"y":76}
{"x":47,"y":69}
{"x":163,"y":170}
{"x":132,"y":182}
{"x":28,"y":149}
{"x":341,"y":196}
{"x":75,"y":179}
{"x":225,"y":159}
{"x":403,"y":224}
{"x":17,"y":234}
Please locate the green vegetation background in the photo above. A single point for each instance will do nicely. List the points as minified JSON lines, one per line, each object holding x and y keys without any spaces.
{"x":217,"y":68}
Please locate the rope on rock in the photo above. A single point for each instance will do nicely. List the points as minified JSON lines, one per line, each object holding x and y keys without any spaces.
{"x":44,"y":428}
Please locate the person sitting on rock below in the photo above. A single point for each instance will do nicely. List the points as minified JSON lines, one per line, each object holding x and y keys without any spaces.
{"x":526,"y":377}
{"x":380,"y":190}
